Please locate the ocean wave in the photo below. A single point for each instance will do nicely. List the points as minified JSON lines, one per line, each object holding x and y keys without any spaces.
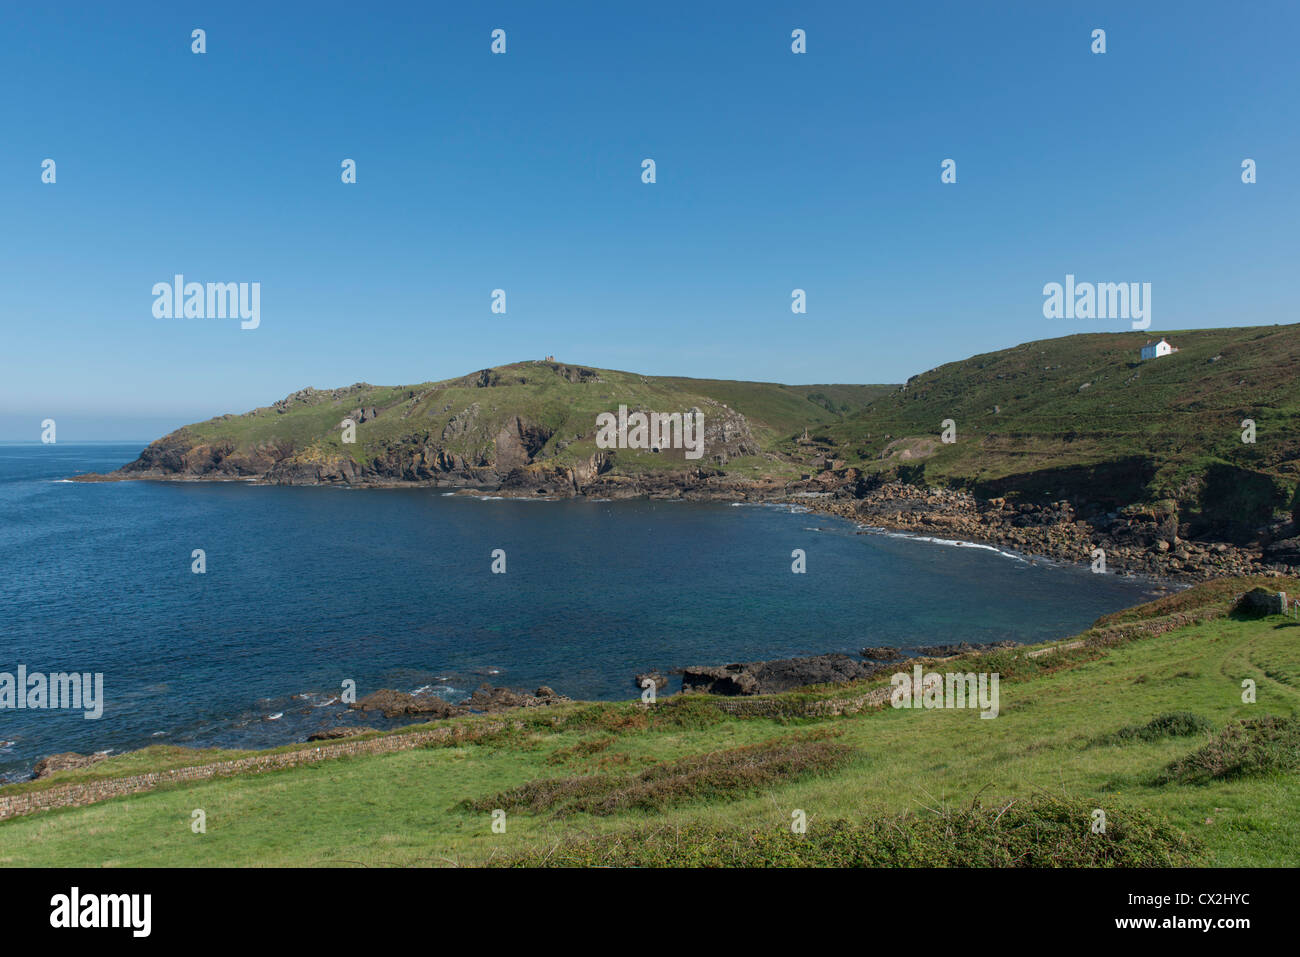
{"x":951,"y":542}
{"x":780,"y":506}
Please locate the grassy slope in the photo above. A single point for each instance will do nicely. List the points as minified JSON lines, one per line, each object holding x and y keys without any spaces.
{"x":1169,"y":420}
{"x":536,"y":392}
{"x":406,"y":808}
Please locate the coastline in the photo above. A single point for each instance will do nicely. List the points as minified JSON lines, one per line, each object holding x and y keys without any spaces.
{"x":1137,"y":540}
{"x":808,"y":503}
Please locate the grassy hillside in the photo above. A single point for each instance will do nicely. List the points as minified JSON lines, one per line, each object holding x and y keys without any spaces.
{"x":1082,"y":417}
{"x":1147,"y":730}
{"x":501,"y":418}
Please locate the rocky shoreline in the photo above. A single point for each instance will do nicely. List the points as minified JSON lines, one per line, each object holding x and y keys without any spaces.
{"x":1150,"y":540}
{"x":764,"y":677}
{"x":1135,"y":540}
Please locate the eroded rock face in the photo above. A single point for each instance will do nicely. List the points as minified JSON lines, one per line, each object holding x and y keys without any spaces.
{"x":518,"y":442}
{"x":773,"y":677}
{"x":1285,"y":552}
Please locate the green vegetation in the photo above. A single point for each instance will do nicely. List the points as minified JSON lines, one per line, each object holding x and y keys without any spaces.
{"x":546,"y":409}
{"x":723,"y":775}
{"x":1082,"y":416}
{"x":1176,"y":724}
{"x":690,"y":782}
{"x":1041,"y":832}
{"x":1256,"y":746}
{"x":1077,"y":417}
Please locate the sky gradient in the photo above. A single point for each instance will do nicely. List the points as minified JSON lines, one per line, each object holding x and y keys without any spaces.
{"x":523,"y":172}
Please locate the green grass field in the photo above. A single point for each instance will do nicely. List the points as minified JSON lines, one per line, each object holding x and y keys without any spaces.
{"x":1057,"y":744}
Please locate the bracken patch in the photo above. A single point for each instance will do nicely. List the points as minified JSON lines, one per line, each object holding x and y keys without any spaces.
{"x":715,"y":776}
{"x":1043,"y":832}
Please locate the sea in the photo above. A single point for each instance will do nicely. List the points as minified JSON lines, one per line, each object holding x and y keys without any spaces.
{"x":305,"y":590}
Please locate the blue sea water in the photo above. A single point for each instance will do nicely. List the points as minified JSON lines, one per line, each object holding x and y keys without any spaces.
{"x":307,"y":587}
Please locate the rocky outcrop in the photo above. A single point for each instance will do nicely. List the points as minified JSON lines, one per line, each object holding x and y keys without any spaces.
{"x":658,"y":678}
{"x":881,"y":654}
{"x":333,"y":734}
{"x":773,"y":677}
{"x":1285,"y":552}
{"x":489,"y":700}
{"x":393,"y":704}
{"x":486,"y":700}
{"x":1145,"y":539}
{"x":64,"y":761}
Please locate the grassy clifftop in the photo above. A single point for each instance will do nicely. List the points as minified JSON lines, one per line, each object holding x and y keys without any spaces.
{"x":1082,"y":416}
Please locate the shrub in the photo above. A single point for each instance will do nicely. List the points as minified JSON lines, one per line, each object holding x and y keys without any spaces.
{"x":1174,"y":724}
{"x":718,"y":775}
{"x":1043,"y":832}
{"x":1243,"y":749}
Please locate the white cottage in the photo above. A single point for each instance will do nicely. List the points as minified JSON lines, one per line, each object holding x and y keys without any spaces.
{"x":1153,"y":350}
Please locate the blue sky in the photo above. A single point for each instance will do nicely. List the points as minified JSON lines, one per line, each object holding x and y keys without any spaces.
{"x":522,"y":172}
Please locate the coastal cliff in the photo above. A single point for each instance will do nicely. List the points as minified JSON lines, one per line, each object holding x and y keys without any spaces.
{"x":1187,"y":465}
